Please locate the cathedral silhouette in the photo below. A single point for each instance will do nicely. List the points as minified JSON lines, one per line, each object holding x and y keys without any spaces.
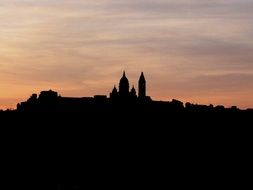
{"x":121,"y":99}
{"x":51,"y":101}
{"x":124,"y":92}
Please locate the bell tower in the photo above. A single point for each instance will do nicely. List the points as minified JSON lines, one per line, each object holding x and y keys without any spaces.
{"x":142,"y":86}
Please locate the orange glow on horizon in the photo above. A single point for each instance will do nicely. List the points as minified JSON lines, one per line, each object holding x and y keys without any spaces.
{"x":191,"y":50}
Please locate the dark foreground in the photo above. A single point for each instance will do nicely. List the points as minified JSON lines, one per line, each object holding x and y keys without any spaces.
{"x":124,"y":149}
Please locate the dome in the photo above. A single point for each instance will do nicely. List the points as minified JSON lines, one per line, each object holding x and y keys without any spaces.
{"x":124,"y":79}
{"x":124,"y":85}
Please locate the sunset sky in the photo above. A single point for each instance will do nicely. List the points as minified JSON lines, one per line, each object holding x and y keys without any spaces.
{"x":199,"y":51}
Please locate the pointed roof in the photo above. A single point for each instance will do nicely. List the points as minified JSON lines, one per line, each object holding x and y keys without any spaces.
{"x":142,"y":78}
{"x":114,"y":89}
{"x":133,"y":89}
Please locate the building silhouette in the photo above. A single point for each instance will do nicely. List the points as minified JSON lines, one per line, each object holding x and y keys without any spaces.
{"x":124,"y":93}
{"x":121,"y":99}
{"x":51,"y":101}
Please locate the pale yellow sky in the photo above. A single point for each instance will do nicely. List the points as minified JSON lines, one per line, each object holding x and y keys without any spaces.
{"x":192,"y":50}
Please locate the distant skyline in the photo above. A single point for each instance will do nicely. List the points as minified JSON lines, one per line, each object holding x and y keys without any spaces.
{"x":198,"y":51}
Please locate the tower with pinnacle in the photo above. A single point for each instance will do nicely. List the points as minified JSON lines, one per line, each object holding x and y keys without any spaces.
{"x":142,"y":86}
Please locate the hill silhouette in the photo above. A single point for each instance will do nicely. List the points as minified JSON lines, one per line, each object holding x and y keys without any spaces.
{"x":54,"y":142}
{"x":122,"y":108}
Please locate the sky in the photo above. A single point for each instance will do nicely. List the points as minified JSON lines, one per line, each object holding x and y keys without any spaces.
{"x":198,"y":51}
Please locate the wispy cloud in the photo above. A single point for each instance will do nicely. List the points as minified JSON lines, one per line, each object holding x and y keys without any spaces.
{"x":80,"y":47}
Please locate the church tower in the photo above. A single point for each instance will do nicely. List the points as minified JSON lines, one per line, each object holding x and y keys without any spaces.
{"x":124,"y":86}
{"x":142,"y":86}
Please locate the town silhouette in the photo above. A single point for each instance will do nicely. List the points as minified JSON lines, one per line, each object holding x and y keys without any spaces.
{"x":66,"y":143}
{"x":121,"y":99}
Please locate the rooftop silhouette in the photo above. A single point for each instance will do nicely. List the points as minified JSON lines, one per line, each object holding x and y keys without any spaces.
{"x":121,"y":98}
